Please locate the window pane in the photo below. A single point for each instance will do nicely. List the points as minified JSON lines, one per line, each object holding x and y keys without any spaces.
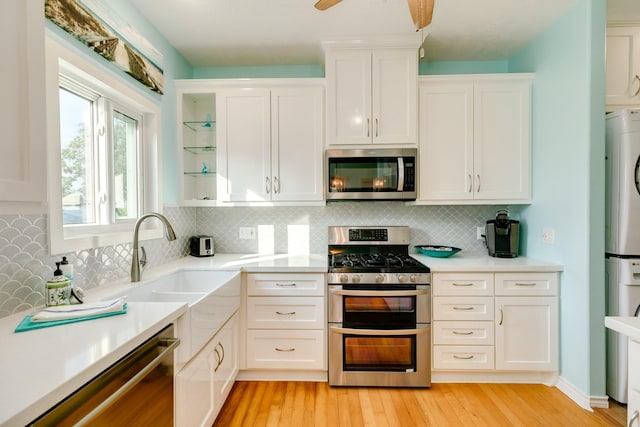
{"x":76,"y":152}
{"x":125,"y":166}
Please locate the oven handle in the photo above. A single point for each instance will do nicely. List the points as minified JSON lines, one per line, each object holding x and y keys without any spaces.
{"x":371,"y":293}
{"x":379,"y":332}
{"x":169,"y":343}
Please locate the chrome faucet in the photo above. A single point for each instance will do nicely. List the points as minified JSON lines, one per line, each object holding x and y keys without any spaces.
{"x":137,"y":262}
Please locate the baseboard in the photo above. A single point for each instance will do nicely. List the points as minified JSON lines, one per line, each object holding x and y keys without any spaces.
{"x":575,"y":394}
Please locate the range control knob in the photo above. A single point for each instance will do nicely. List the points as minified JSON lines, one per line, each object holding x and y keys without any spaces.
{"x":379,"y":278}
{"x":402,"y":278}
{"x":355,"y":279}
{"x":414,"y":278}
{"x":344,"y":278}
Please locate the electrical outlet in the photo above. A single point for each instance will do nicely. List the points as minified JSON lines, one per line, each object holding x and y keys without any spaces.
{"x":248,"y":233}
{"x":479,"y":233}
{"x":548,"y":236}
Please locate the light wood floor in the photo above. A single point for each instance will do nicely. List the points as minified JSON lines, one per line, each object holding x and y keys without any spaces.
{"x":310,"y":404}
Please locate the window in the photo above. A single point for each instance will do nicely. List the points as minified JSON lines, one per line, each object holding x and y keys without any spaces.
{"x":103,"y":157}
{"x":100,"y":162}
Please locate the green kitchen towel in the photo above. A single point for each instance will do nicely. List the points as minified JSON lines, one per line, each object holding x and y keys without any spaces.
{"x":27,"y":325}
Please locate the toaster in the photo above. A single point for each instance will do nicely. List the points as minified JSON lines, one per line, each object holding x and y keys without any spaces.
{"x":201,"y":246}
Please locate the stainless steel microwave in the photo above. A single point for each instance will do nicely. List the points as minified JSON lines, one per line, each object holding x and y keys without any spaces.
{"x":371,"y":174}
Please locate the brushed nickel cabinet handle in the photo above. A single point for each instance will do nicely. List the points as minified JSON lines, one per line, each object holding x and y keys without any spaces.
{"x":462,"y":333}
{"x":462,"y":308}
{"x":478,"y":189}
{"x":286,"y":285}
{"x":281,"y":313}
{"x":638,"y":79}
{"x":276,"y":185}
{"x":470,"y":186}
{"x":377,"y":126}
{"x":501,"y":316}
{"x":368,"y":127}
{"x":455,"y":356}
{"x":267,"y":185}
{"x":634,"y":417}
{"x":525,"y":284}
{"x":461,"y":284}
{"x":286,"y":349}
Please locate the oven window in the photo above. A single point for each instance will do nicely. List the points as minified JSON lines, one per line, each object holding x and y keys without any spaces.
{"x":379,"y":353}
{"x":363,"y":174}
{"x":379,"y":312}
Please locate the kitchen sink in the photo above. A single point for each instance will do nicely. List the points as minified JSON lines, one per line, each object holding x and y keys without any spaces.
{"x":212,"y":298}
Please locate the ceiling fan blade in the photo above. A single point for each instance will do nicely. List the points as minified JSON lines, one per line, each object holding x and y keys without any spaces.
{"x":326,"y":4}
{"x":421,"y":12}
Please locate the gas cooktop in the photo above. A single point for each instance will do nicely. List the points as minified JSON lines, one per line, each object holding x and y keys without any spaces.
{"x":375,"y":263}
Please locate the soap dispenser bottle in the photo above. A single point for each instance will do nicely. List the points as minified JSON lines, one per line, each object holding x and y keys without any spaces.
{"x":58,"y":289}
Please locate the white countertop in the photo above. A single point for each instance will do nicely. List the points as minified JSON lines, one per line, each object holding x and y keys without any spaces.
{"x":626,"y":325}
{"x":462,"y":262}
{"x":40,"y":367}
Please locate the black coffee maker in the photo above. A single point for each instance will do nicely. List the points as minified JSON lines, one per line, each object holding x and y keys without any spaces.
{"x":503,"y":234}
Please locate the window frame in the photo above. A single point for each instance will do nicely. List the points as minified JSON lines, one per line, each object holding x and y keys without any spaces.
{"x":115,"y":92}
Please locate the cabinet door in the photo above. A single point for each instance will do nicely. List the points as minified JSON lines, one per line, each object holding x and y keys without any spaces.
{"x":623,"y":67}
{"x":243,"y":143}
{"x":22,"y":120}
{"x":446,"y":141}
{"x":297,"y":139}
{"x":194,"y":391}
{"x":526,"y":332}
{"x":348,"y":75}
{"x":502,"y":146}
{"x":225,"y":361}
{"x":394,"y":96}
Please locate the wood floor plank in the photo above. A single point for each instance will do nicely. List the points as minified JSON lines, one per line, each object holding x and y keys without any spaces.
{"x":302,"y":404}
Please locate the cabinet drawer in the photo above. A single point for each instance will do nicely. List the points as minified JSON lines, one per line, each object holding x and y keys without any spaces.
{"x":286,"y":284}
{"x":285,"y":349}
{"x":464,"y":333}
{"x":462,"y":357}
{"x":533,"y":284}
{"x":463,"y":284}
{"x":463,"y":308}
{"x":285,"y":312}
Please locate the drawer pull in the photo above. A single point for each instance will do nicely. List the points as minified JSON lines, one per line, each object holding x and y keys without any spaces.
{"x":281,"y":313}
{"x":463,"y":308}
{"x":462,"y":333}
{"x":525,"y":284}
{"x":455,"y":356}
{"x":634,"y":417}
{"x":462,"y":284}
{"x":285,"y":349}
{"x":285,"y":285}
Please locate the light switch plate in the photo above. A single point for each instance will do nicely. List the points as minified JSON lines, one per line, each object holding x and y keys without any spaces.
{"x":548,"y":236}
{"x":247,"y":233}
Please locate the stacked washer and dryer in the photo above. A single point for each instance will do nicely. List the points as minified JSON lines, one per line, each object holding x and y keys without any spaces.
{"x":622,"y":237}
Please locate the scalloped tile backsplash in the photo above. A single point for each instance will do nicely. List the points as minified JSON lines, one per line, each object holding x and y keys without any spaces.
{"x":25,"y":263}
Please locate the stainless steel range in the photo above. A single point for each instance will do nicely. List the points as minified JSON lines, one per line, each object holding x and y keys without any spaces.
{"x":379,"y":309}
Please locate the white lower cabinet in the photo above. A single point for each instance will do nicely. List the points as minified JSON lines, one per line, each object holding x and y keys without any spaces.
{"x":633,"y":404}
{"x":515,"y":329}
{"x":286,"y":322}
{"x":204,"y":383}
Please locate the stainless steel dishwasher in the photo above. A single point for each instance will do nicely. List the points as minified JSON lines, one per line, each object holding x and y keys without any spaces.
{"x":137,"y":390}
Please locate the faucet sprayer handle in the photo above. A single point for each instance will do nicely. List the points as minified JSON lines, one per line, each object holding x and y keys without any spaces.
{"x":143,"y":258}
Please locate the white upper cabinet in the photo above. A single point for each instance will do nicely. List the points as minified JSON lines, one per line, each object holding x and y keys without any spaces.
{"x":475,"y":139}
{"x":623,"y":67}
{"x":371,"y":96}
{"x":269,"y":144}
{"x":23,"y":117}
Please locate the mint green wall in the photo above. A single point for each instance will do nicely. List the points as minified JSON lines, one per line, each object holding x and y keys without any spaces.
{"x":174,"y":67}
{"x":272,"y":71}
{"x":463,"y":67}
{"x":568,"y":180}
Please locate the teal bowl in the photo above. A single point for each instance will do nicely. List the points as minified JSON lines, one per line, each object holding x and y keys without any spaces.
{"x":437,"y":251}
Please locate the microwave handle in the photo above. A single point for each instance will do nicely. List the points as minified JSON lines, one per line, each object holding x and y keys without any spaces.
{"x":400,"y":173}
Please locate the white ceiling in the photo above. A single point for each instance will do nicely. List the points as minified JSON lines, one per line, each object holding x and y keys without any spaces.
{"x":216,"y":33}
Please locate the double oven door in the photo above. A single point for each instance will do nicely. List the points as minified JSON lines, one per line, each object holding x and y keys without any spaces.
{"x":379,"y":336}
